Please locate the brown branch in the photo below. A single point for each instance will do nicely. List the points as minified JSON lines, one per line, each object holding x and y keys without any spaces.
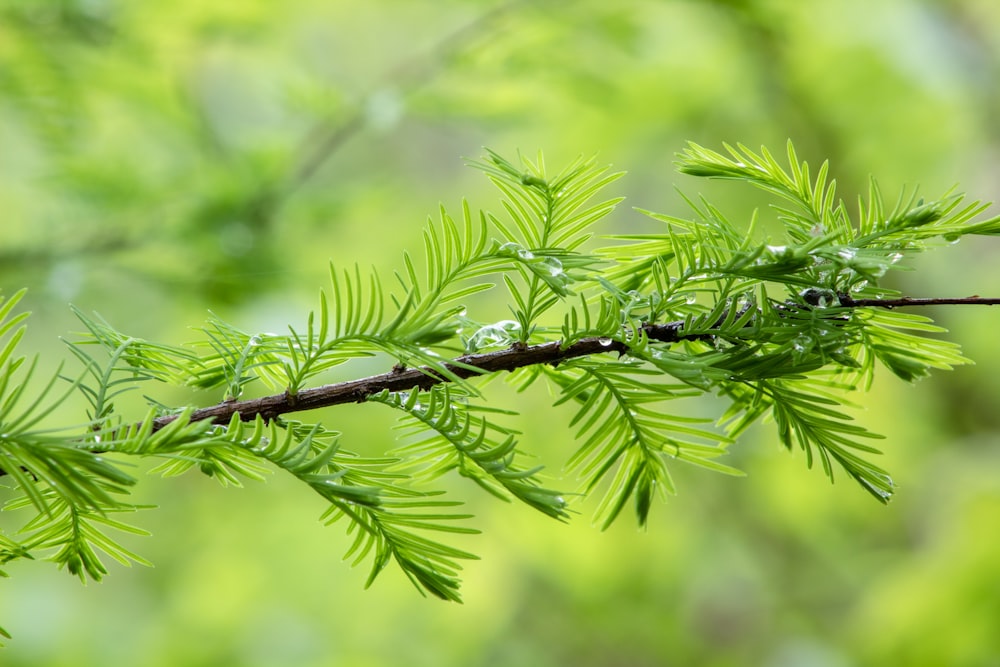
{"x":847,"y":302}
{"x":468,"y":365}
{"x":510,"y":359}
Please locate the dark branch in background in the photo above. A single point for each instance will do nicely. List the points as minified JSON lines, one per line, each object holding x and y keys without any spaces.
{"x":510,"y":359}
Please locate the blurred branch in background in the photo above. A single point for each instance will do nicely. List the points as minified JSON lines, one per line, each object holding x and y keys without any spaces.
{"x":194,"y":139}
{"x":237,"y":212}
{"x":410,"y":75}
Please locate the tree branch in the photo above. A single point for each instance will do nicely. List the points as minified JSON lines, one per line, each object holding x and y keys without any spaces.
{"x":468,"y":365}
{"x":847,"y":302}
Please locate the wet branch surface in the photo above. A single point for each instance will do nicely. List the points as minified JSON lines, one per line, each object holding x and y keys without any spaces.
{"x":848,"y":302}
{"x":405,"y":379}
{"x":468,"y":365}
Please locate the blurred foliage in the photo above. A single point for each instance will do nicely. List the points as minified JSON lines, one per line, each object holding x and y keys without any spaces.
{"x":164,"y":159}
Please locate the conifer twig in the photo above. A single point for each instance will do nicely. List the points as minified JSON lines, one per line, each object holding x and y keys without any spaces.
{"x":976,"y":300}
{"x":468,"y":365}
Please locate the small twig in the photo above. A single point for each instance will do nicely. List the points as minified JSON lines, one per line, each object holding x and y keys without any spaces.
{"x":403,"y":379}
{"x":848,"y":302}
{"x":468,"y":365}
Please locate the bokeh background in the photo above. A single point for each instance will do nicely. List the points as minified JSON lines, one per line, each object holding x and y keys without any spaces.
{"x":161,"y":160}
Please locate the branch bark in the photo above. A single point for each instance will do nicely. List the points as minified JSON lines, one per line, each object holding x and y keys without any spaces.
{"x":847,"y":302}
{"x":468,"y":365}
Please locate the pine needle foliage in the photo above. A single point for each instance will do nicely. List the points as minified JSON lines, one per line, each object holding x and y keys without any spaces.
{"x":768,"y":323}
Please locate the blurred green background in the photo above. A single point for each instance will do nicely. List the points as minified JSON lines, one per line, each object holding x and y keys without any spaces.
{"x":160,"y":160}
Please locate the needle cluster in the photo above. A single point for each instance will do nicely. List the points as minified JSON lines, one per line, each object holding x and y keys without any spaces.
{"x":776,"y":325}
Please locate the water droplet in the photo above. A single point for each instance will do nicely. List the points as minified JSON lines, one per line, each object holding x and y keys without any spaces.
{"x":801,"y":346}
{"x":884,"y":494}
{"x":554,"y":266}
{"x":606,"y":342}
{"x":501,"y":334}
{"x":819,"y":297}
{"x":512,"y":249}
